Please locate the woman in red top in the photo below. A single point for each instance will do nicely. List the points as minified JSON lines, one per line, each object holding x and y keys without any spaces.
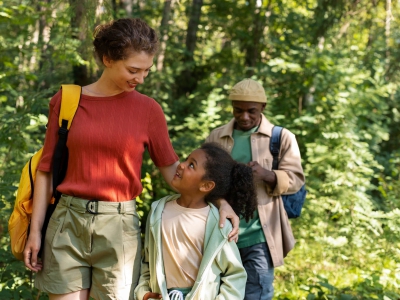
{"x":97,"y":251}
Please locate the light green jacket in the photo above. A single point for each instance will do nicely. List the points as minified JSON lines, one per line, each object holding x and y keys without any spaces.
{"x":221,"y":274}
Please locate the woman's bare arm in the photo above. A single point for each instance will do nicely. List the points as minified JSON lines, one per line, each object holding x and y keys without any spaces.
{"x":42,"y":195}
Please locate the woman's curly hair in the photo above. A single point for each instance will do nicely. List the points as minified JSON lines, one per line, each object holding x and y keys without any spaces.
{"x":120,"y":38}
{"x":233,"y":181}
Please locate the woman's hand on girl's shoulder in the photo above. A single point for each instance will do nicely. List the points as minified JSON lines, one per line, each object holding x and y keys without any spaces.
{"x":226,"y":212}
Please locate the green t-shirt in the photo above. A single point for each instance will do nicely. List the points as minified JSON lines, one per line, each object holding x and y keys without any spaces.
{"x":250,"y":233}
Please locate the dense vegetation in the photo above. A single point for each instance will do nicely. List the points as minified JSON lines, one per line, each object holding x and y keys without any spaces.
{"x":331,"y":72}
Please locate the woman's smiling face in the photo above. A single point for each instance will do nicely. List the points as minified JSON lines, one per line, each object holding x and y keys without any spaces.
{"x":126,"y":74}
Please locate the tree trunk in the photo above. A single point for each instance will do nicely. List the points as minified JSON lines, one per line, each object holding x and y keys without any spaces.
{"x":127,"y":6}
{"x":253,"y":52}
{"x":41,"y":32}
{"x":252,"y":49}
{"x":138,"y":6}
{"x":387,"y":31}
{"x":164,"y":33}
{"x":193,"y":26}
{"x":186,"y":81}
{"x":114,"y":7}
{"x":43,"y":45}
{"x":80,"y":72}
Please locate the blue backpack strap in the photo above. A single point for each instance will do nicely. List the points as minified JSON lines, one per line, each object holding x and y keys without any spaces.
{"x":275,"y":145}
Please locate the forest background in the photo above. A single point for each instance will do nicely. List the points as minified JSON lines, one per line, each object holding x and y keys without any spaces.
{"x":331,"y":73}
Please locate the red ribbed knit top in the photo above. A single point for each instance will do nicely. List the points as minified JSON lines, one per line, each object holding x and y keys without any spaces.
{"x":106,"y":142}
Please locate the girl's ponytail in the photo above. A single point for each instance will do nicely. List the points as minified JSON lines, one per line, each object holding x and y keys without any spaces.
{"x":242,"y":195}
{"x":233,"y":181}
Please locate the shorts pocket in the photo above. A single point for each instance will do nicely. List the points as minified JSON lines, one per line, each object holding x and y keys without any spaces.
{"x":130,"y":226}
{"x":132,"y":253}
{"x":51,"y":231}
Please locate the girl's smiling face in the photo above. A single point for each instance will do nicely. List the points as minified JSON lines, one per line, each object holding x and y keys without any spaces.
{"x":189,"y":174}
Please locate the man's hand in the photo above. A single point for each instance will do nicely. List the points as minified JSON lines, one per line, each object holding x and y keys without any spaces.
{"x":261,"y":174}
{"x":226,"y":212}
{"x":151,"y":295}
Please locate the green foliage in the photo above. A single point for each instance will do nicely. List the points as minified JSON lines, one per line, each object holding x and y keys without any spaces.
{"x":331,"y":75}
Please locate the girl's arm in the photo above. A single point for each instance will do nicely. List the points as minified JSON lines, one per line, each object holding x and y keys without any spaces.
{"x":42,"y":195}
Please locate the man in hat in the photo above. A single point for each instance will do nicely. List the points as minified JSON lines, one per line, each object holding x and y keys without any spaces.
{"x":267,"y":238}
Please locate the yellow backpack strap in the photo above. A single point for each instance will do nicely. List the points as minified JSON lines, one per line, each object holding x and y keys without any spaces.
{"x":70,"y":97}
{"x":71,"y":94}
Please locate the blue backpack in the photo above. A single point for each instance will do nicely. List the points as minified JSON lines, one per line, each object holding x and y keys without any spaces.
{"x":293,"y":203}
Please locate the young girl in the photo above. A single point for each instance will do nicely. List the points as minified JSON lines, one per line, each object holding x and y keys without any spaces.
{"x":187,"y":255}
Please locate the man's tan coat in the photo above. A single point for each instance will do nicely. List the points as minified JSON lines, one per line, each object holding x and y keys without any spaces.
{"x":290,"y":179}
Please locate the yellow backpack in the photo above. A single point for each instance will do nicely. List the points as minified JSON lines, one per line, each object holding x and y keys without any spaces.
{"x":18,"y":224}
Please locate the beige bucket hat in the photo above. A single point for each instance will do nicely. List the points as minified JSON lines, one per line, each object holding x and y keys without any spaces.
{"x":248,"y":90}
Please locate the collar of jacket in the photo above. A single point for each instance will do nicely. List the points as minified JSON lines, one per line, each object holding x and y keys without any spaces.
{"x":265,"y":127}
{"x":214,"y":239}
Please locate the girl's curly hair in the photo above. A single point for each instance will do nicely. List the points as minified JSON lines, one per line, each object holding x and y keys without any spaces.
{"x":120,"y":38}
{"x":233,"y":181}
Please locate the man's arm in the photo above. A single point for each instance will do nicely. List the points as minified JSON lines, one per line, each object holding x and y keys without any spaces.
{"x":289,"y":177}
{"x":261,"y":174}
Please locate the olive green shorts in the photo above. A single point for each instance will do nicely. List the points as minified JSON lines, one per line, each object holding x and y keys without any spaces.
{"x":92,"y":245}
